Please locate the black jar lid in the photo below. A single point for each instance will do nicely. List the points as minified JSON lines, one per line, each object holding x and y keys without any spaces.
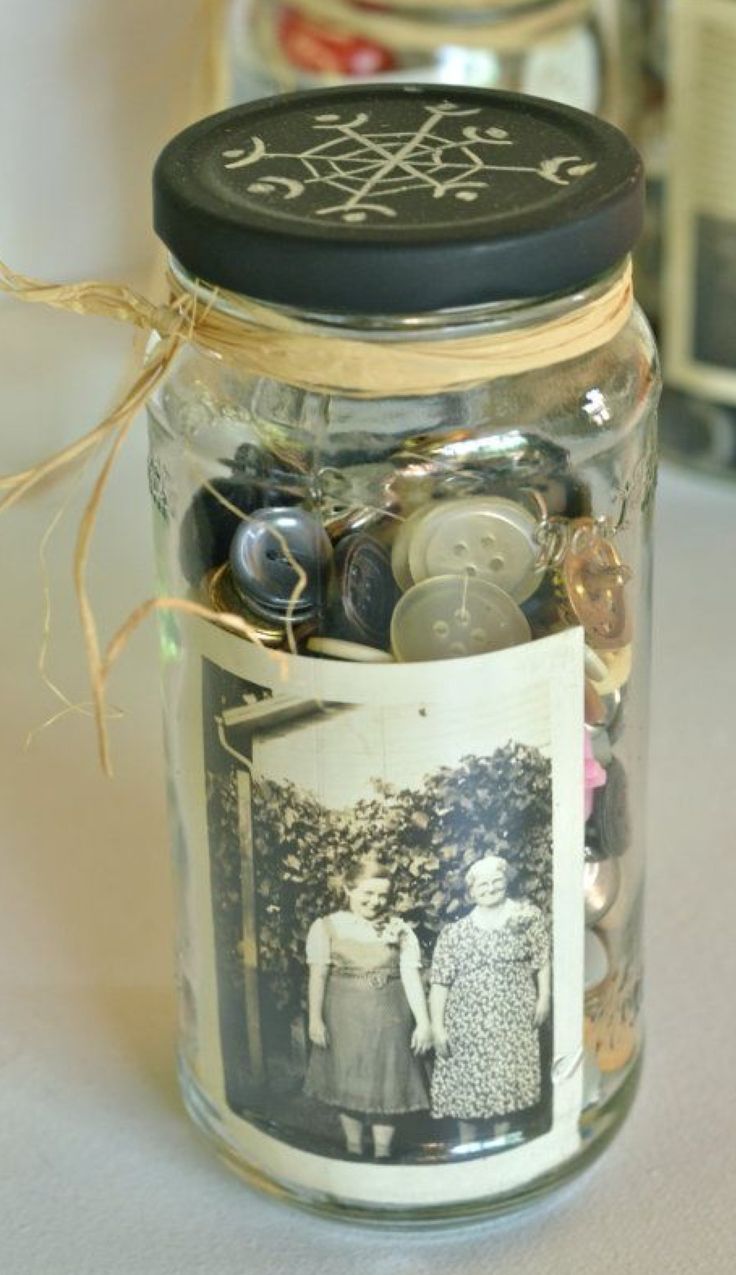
{"x":398,"y":199}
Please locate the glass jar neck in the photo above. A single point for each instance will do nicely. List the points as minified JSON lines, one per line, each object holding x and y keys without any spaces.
{"x":495,"y":316}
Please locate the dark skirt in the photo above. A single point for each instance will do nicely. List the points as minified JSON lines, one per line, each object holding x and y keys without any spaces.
{"x":368,"y":1065}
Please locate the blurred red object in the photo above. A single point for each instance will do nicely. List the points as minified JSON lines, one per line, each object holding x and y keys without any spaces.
{"x":312,"y":47}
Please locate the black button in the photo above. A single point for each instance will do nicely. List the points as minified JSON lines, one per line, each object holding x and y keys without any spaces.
{"x":611,"y":812}
{"x":368,"y":591}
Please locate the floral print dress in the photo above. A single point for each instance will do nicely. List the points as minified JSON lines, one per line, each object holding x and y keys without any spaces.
{"x":493,"y":1067}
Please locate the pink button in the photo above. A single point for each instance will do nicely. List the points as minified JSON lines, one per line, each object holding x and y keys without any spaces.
{"x":595,"y":776}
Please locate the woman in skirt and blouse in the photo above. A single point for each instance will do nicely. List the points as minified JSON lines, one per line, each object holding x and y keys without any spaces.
{"x":368,"y":1017}
{"x":490,"y":995}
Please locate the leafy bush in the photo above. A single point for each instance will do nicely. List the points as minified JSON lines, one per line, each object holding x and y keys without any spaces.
{"x":500,"y":804}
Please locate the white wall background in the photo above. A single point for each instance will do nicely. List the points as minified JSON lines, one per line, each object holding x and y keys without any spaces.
{"x":89,"y":92}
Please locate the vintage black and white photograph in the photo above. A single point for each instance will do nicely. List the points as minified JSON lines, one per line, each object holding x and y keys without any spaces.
{"x":382,"y":880}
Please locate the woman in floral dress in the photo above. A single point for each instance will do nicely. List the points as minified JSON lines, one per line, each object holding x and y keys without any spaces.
{"x":368,"y":1016}
{"x":490,"y":995}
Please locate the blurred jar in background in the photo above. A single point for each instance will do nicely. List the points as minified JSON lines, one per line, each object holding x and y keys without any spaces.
{"x":698,"y":419}
{"x":566,"y":50}
{"x":647,"y":48}
{"x":686,"y":262}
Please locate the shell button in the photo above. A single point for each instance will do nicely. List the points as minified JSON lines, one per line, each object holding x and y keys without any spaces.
{"x":450,"y":616}
{"x":486,"y":537}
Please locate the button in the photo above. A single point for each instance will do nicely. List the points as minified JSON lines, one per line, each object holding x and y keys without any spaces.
{"x":601,"y":710}
{"x":264,"y":555}
{"x":221,"y":595}
{"x":511,"y":455}
{"x":543,"y":610}
{"x":600,"y":742}
{"x":594,"y":578}
{"x":612,"y":1041}
{"x":412,"y":484}
{"x":601,"y":884}
{"x":595,"y":668}
{"x":487,"y":537}
{"x":562,"y":495}
{"x":450,"y":616}
{"x":217,"y":510}
{"x":613,"y":671}
{"x":611,"y":812}
{"x":594,"y":775}
{"x":337,"y":649}
{"x":400,"y":553}
{"x":596,"y":961}
{"x":367,"y":587}
{"x":355,"y":482}
{"x":340,"y":521}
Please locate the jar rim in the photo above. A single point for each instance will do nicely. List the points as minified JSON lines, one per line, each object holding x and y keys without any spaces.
{"x":456,"y":321}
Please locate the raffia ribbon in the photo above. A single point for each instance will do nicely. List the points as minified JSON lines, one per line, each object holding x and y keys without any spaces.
{"x":266,"y":342}
{"x":492,"y":24}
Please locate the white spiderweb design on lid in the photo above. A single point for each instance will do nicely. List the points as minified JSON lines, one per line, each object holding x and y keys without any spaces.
{"x":371,"y":170}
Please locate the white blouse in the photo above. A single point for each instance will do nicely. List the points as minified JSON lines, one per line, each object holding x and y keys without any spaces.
{"x":350,"y":926}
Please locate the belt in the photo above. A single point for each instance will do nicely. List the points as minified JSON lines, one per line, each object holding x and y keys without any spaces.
{"x":373,"y":978}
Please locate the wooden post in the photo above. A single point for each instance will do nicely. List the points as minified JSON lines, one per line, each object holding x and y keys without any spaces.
{"x":250,"y":932}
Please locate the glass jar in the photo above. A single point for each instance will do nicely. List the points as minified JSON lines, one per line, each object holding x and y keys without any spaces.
{"x":567,"y":50}
{"x":406,"y":728}
{"x":686,"y":277}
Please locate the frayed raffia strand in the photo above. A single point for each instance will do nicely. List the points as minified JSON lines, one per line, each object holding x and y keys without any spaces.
{"x":119,"y":422}
{"x":226,"y":619}
{"x":266,"y":342}
{"x":69,"y":706}
{"x":510,"y":26}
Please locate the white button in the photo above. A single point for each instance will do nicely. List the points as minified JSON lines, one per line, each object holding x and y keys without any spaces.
{"x":337,"y":649}
{"x":451,"y":616}
{"x":488,"y":537}
{"x":601,"y":710}
{"x":614,"y":669}
{"x":400,"y":551}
